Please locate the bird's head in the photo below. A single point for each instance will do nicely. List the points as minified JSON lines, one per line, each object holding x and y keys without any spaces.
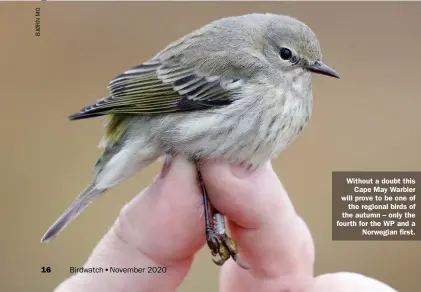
{"x":246,"y":45}
{"x":290,"y":45}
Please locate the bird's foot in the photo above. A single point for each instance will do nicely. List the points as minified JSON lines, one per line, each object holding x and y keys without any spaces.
{"x":222,"y":248}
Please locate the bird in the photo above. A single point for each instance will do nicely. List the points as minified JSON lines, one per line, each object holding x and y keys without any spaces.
{"x":239,"y":88}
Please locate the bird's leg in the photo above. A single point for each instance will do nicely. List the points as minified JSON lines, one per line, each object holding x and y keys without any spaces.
{"x":221,"y":245}
{"x":219,"y":253}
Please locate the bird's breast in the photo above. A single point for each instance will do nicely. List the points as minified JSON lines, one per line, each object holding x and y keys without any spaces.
{"x":247,"y":131}
{"x":282,"y":122}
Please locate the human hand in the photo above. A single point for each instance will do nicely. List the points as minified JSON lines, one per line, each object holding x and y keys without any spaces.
{"x":163,"y":226}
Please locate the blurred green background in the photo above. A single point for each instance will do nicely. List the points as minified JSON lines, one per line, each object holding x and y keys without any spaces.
{"x":369,"y":120}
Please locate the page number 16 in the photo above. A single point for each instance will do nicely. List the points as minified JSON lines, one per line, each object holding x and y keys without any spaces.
{"x":46,"y":270}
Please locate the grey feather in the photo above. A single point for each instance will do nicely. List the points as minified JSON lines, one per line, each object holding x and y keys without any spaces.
{"x":73,"y":211}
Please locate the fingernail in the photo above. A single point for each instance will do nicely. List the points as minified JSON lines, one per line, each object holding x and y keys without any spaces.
{"x":241,"y":170}
{"x":166,"y":167}
{"x":179,"y":168}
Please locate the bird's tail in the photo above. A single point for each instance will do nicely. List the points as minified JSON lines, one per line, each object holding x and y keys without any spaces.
{"x":74,"y":210}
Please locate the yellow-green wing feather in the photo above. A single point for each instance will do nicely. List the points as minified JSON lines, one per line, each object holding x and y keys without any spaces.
{"x":157,"y":88}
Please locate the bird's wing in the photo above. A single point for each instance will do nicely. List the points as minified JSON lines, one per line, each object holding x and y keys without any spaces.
{"x":157,"y":87}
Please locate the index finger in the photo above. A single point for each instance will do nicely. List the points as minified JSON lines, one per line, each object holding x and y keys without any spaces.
{"x":273,"y":240}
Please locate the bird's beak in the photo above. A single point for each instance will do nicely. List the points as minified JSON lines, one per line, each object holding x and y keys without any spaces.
{"x":323,"y":69}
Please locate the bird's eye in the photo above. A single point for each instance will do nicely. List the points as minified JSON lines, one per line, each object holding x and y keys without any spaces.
{"x":285,"y":54}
